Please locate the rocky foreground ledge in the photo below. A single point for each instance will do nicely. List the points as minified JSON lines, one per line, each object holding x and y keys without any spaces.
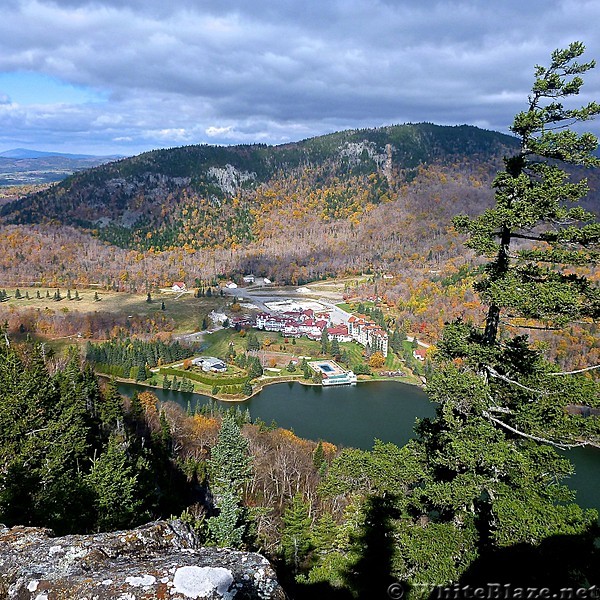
{"x":162,"y":560}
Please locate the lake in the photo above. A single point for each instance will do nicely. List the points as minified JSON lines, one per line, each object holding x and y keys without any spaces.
{"x":355,"y":415}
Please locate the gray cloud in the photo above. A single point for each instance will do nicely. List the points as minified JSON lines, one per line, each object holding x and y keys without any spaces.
{"x":188,"y":71}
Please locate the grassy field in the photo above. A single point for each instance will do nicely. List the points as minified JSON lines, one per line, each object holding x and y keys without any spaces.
{"x":352,"y":307}
{"x":187,"y":311}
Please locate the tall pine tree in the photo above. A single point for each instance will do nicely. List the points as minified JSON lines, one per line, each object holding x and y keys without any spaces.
{"x":493,"y":479}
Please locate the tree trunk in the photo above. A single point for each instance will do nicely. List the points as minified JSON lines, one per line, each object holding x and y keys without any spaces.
{"x":492,"y":320}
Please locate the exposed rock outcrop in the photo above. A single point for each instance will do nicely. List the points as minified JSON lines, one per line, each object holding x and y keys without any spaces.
{"x":159,"y":560}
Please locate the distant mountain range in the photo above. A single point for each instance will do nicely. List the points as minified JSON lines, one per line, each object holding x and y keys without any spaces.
{"x":26,"y":153}
{"x":23,"y":166}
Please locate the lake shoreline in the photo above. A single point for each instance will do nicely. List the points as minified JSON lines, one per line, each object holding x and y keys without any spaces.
{"x":263,"y":384}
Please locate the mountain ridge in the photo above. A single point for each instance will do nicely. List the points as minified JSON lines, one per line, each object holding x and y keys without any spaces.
{"x":146,"y":200}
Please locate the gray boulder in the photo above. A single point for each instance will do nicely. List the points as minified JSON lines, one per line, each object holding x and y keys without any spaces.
{"x":160,"y":560}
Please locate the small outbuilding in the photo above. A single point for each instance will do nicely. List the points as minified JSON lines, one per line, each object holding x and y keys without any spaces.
{"x":210,"y":363}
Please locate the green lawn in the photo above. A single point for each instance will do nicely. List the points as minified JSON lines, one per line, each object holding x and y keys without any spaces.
{"x":353,"y":306}
{"x":217,"y":344}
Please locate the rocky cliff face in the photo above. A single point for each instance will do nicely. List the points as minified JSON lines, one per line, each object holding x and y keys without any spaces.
{"x":159,"y":560}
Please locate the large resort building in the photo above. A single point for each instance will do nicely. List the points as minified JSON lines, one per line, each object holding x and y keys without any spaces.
{"x":358,"y":328}
{"x":367,"y":333}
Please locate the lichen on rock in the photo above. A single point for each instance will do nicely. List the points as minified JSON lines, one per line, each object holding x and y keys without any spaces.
{"x":159,"y":560}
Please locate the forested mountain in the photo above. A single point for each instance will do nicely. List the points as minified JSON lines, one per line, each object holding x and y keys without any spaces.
{"x":376,"y":201}
{"x":209,"y":196}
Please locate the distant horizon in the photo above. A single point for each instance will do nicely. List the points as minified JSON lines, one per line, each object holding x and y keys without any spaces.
{"x":83,"y":154}
{"x":31,"y":152}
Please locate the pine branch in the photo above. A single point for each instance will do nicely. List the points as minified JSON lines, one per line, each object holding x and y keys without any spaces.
{"x":560,"y":445}
{"x":522,"y":236}
{"x":545,"y":328}
{"x":577,"y":371}
{"x":34,"y":431}
{"x":497,"y":375}
{"x":500,"y":409}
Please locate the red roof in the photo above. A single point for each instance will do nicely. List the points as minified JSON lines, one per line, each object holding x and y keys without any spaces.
{"x":338,"y":330}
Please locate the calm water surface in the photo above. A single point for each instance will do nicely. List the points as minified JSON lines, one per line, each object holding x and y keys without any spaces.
{"x":355,"y":415}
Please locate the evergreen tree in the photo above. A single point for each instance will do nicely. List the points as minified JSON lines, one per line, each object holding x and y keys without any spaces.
{"x":110,"y":409}
{"x":318,"y":455}
{"x":136,"y":409}
{"x":492,"y":477}
{"x":323,"y":534}
{"x":140,"y":373}
{"x":18,"y":294}
{"x":227,"y":528}
{"x":229,"y":464}
{"x":252,"y":342}
{"x":165,"y":439}
{"x":324,"y":342}
{"x":534,"y":202}
{"x":114,"y":483}
{"x":296,"y":539}
{"x":230,"y":470}
{"x":335,"y":347}
{"x":254,"y":367}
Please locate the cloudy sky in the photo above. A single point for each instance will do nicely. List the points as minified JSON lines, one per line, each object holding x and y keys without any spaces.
{"x":124,"y":76}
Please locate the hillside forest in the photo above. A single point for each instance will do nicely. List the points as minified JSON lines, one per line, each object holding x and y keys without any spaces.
{"x":496,"y":261}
